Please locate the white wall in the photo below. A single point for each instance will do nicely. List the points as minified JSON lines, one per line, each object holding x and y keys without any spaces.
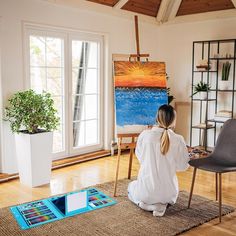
{"x":119,"y":31}
{"x":175,"y":49}
{"x":0,"y":94}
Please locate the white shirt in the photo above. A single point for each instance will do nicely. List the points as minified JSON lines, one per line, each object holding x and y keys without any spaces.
{"x":157,"y":181}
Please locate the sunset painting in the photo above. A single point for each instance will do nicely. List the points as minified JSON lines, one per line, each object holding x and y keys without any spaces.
{"x":140,"y":89}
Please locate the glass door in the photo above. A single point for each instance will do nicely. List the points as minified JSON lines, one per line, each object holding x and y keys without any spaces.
{"x":85,"y":96}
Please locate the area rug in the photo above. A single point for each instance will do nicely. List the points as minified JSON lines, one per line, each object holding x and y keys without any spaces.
{"x":124,"y":218}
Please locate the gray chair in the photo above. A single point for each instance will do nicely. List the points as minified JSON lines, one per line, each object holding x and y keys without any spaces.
{"x":221,"y":160}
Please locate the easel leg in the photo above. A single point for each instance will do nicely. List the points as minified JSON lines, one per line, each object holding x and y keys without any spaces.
{"x":130,"y":162}
{"x":117,"y":171}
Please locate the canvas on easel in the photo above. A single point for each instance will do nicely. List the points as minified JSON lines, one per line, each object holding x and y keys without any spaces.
{"x":140,"y":89}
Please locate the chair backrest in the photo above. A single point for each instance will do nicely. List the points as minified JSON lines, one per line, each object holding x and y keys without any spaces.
{"x":225,"y":149}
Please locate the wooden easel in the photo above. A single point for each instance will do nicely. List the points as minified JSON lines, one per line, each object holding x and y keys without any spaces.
{"x":121,"y":146}
{"x":130,"y":146}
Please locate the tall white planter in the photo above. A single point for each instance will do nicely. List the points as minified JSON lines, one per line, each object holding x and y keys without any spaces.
{"x":34,"y":158}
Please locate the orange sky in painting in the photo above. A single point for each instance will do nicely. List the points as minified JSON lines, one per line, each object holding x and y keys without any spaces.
{"x":140,"y":74}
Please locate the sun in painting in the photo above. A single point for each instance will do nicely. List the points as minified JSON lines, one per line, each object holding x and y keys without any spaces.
{"x":140,"y":74}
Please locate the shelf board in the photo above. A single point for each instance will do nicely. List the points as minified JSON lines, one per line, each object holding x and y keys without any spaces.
{"x":222,"y":58}
{"x":204,"y":71}
{"x":201,"y":127}
{"x":198,"y":99}
{"x":222,"y":90}
{"x":216,"y":41}
{"x":216,"y":121}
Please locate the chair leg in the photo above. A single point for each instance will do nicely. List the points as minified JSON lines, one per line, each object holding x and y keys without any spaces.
{"x":117,"y":171}
{"x":216,"y":186}
{"x":220,"y":196}
{"x":191,"y":191}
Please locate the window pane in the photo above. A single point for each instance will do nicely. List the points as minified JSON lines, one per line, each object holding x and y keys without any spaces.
{"x":54,"y":52}
{"x":91,"y":128}
{"x":58,"y":139}
{"x":47,"y":74}
{"x":91,"y":81}
{"x":58,"y":104}
{"x":38,"y":79}
{"x":85,"y":93}
{"x":78,"y":108}
{"x":92,"y":55}
{"x":78,"y":81}
{"x":77,"y":54}
{"x":91,"y":108}
{"x":54,"y":81}
{"x":37,"y":51}
{"x":78,"y":134}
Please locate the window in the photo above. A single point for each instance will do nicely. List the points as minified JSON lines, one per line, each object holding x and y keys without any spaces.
{"x":68,"y":66}
{"x":47,"y":74}
{"x":85,"y":93}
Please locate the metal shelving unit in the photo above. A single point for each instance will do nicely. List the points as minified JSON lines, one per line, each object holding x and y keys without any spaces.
{"x":206,"y":120}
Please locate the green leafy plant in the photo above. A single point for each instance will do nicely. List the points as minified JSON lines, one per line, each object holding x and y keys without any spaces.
{"x":201,"y":87}
{"x":225,"y":71}
{"x":31,"y":112}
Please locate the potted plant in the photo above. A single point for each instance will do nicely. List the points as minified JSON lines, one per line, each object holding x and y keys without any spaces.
{"x":202,"y":88}
{"x":32,"y":118}
{"x":224,"y":83}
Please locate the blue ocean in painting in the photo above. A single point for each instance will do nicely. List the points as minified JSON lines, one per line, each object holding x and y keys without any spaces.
{"x":138,"y":106}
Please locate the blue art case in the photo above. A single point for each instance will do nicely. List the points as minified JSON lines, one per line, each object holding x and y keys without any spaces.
{"x":44,"y":211}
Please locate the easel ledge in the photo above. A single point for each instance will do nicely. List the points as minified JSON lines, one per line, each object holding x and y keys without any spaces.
{"x":130,"y":145}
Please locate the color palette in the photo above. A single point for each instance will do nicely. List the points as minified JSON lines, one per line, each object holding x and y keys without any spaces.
{"x":40,"y":212}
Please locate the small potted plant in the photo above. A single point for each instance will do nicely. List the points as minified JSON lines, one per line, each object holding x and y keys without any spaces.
{"x":32,"y":118}
{"x":170,"y":97}
{"x":224,"y":83}
{"x":202,"y":88}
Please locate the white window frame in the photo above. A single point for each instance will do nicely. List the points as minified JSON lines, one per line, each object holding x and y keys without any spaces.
{"x":98,"y":39}
{"x":68,"y":36}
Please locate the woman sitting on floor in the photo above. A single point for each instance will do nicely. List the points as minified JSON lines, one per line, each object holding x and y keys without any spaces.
{"x":161,"y":153}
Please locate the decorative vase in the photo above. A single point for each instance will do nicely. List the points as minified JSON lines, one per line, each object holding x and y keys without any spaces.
{"x":224,"y":85}
{"x":34,"y":158}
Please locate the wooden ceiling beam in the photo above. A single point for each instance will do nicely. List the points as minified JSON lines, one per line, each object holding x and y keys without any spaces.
{"x":120,"y":4}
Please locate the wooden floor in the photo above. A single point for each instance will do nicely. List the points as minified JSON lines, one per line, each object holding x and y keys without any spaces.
{"x":102,"y":170}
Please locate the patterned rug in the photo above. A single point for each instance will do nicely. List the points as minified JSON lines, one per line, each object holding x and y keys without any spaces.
{"x":123,"y":219}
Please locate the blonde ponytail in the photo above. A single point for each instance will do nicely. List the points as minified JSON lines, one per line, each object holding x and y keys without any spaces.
{"x":165,"y":142}
{"x":166,"y":117}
